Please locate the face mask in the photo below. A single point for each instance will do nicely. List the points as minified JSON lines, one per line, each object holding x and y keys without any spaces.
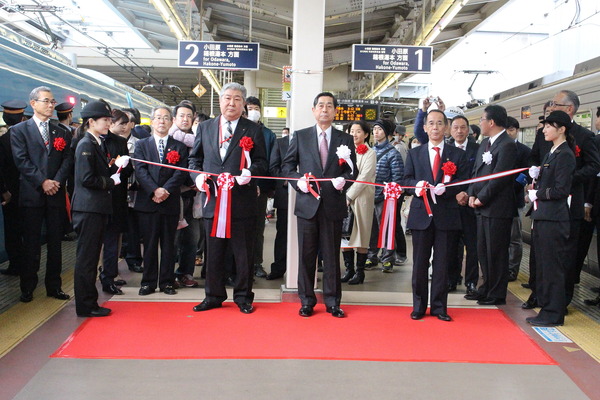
{"x":254,"y":115}
{"x":415,"y":145}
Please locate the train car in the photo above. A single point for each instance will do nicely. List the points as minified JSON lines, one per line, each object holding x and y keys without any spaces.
{"x":25,"y":65}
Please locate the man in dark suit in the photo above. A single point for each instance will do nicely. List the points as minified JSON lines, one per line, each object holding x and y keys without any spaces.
{"x":281,"y":204}
{"x":157,"y":201}
{"x":425,"y":166}
{"x":218,"y":150}
{"x":515,"y":250}
{"x":41,"y":150}
{"x":495,"y":205}
{"x":467,"y":236}
{"x":313,"y":151}
{"x":9,"y":189}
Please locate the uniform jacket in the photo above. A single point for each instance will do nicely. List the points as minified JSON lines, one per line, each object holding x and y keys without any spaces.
{"x":151,"y":177}
{"x":93,"y":186}
{"x":281,"y":187}
{"x":497,"y":195}
{"x":446,"y":214}
{"x":205,"y":157}
{"x":9,"y":174}
{"x":554,"y":184}
{"x":303,"y":157}
{"x":115,"y":146}
{"x":36,"y":163}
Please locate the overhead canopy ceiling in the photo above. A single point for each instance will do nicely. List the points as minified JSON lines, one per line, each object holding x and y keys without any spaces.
{"x":130,"y":41}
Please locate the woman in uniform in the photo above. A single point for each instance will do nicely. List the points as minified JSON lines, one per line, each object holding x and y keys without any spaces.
{"x":92,"y":204}
{"x":361,"y":198}
{"x":550,"y":215}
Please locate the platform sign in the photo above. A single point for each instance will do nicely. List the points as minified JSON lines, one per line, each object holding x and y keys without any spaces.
{"x":385,"y":58}
{"x":218,"y":55}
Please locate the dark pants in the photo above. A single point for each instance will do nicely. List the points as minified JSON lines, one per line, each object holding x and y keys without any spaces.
{"x":493,"y":239}
{"x":32,"y":219}
{"x":400,"y":238}
{"x":280,"y":248}
{"x":158,"y":230}
{"x":187,"y":239}
{"x":90,"y":230}
{"x":586,"y":233}
{"x":133,"y":254}
{"x":466,"y":239}
{"x":324,"y":234}
{"x":259,"y":240}
{"x":13,"y":239}
{"x":572,"y":272}
{"x":241,"y":244}
{"x":110,"y":254}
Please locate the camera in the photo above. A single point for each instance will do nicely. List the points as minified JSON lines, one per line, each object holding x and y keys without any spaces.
{"x":433,"y":99}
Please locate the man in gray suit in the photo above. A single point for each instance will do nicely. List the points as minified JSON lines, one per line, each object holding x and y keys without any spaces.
{"x":313,"y":151}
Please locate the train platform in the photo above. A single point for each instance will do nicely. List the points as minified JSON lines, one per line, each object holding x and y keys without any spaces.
{"x":30,"y":333}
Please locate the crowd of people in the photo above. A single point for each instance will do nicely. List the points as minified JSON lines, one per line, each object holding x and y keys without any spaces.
{"x":118,"y":184}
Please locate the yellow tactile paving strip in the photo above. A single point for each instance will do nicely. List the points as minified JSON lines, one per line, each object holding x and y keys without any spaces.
{"x":22,"y":319}
{"x":580,"y":328}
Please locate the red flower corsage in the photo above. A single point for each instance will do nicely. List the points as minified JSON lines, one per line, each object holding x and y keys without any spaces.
{"x":341,"y":162}
{"x":246,"y":143}
{"x":59,"y":144}
{"x":361,"y":149}
{"x":577,"y":151}
{"x":449,"y":169}
{"x":173,"y":157}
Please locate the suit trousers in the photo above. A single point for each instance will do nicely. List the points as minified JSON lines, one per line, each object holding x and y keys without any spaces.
{"x":493,"y":239}
{"x":240,"y":245}
{"x":32,"y":219}
{"x":133,"y":254}
{"x":187,"y":239}
{"x":515,"y":249}
{"x":586,"y":233}
{"x":424,"y":241}
{"x":13,"y":235}
{"x":158,"y":230}
{"x":324,"y":234}
{"x":90,"y":230}
{"x":280,"y":247}
{"x":110,"y":252}
{"x":400,"y":238}
{"x":259,"y":240}
{"x":550,"y":238}
{"x":572,"y":272}
{"x":466,"y":239}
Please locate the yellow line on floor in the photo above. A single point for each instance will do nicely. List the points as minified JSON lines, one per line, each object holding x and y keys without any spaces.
{"x":580,"y":328}
{"x":23,"y":319}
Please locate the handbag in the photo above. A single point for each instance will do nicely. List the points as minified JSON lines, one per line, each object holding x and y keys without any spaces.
{"x":347,"y":223}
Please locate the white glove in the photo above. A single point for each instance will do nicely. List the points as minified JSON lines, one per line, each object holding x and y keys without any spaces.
{"x":532,"y":195}
{"x":122,"y":161}
{"x":338,"y":183}
{"x":303,"y":185}
{"x":244,"y":177}
{"x":439,"y":189}
{"x":200,"y":181}
{"x":419,"y":188}
{"x":534,"y":172}
{"x":116,"y":178}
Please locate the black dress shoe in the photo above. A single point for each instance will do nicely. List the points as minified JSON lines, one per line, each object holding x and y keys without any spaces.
{"x":475,"y":295}
{"x":26,"y":297}
{"x":529,"y":304}
{"x":246,"y":308}
{"x":490,"y":301}
{"x":305,"y":311}
{"x":512,"y":276}
{"x":526,"y":285}
{"x":99,"y":312}
{"x":416,"y":315}
{"x":271,"y":276}
{"x":443,"y":317}
{"x":120,"y":282}
{"x":205,"y":306}
{"x":336,"y":311}
{"x":136,"y":268}
{"x":111,"y":288}
{"x":58,"y":294}
{"x":592,"y":302}
{"x":259,"y":271}
{"x":169,"y":289}
{"x":9,"y":271}
{"x":146,"y":290}
{"x":536,"y":321}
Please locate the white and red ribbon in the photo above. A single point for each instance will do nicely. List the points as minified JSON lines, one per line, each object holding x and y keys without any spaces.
{"x":222,"y":218}
{"x":387,"y":228}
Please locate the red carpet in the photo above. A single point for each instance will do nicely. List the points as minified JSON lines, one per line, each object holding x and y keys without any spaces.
{"x":157,"y":330}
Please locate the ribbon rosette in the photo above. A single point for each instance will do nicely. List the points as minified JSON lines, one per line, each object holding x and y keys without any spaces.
{"x":222,"y":218}
{"x":172,"y":157}
{"x":343,"y":152}
{"x":449,"y":169}
{"x":361,"y":149}
{"x":246,"y":144}
{"x":387,"y":231}
{"x":59,"y":144}
{"x":487,"y":157}
{"x":577,"y":151}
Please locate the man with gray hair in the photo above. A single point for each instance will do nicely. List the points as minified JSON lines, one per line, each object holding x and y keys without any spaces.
{"x":229,"y":145}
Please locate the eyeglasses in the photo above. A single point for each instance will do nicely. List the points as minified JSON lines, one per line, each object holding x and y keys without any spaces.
{"x":483,"y":119}
{"x":47,"y":101}
{"x":555,"y":104}
{"x":165,"y":118}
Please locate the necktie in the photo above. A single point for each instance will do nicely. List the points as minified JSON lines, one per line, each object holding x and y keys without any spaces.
{"x":323,"y":149}
{"x":45,"y":137}
{"x":461,"y":146}
{"x":436,"y":162}
{"x":161,"y":149}
{"x":488,"y":145}
{"x":227,"y":136}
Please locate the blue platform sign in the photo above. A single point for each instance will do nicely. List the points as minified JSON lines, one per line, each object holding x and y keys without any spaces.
{"x":385,"y":58}
{"x":218,"y":55}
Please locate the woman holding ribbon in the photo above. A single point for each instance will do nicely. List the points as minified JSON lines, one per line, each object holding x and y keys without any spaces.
{"x":360,"y":197}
